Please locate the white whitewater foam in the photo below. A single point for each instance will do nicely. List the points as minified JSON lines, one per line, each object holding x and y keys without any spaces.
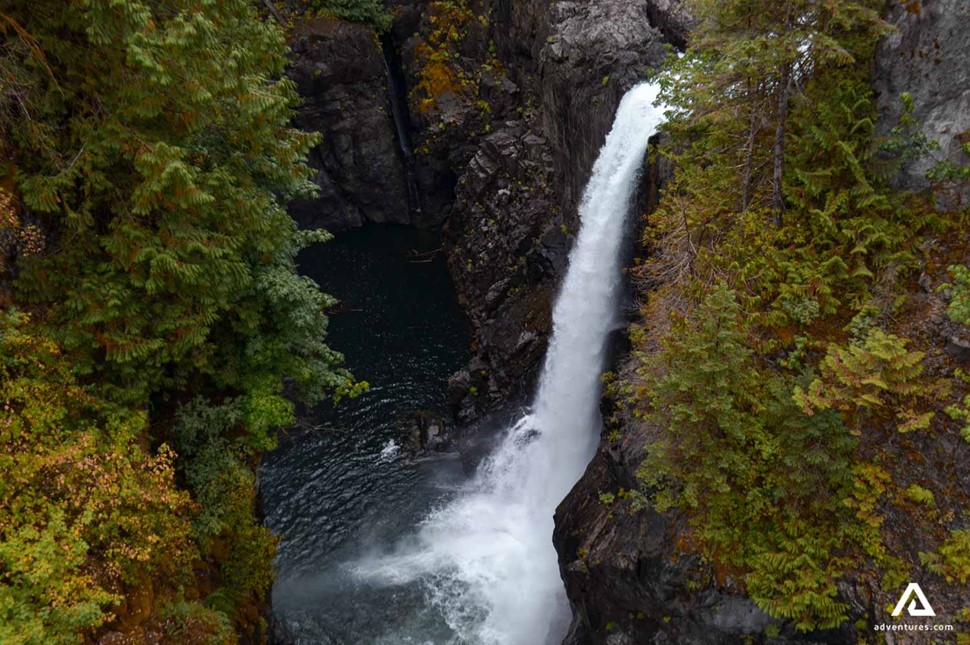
{"x":389,"y":451}
{"x":487,"y":557}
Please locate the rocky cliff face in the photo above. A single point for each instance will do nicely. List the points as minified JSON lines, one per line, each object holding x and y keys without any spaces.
{"x":628,"y":577}
{"x":341,"y":75}
{"x":508,"y":104}
{"x":927,"y":56}
{"x":593,"y":53}
{"x":562,"y":69}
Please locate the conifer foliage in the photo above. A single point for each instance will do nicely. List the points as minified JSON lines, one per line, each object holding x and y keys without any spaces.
{"x":150,"y":141}
{"x":766,"y":367}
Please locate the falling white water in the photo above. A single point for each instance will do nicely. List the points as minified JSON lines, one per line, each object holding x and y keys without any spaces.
{"x":487,"y":557}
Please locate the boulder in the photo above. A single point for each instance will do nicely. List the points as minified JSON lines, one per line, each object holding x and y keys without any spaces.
{"x":428,"y":432}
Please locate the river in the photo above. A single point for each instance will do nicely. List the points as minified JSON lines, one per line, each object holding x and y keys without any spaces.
{"x":336,"y":489}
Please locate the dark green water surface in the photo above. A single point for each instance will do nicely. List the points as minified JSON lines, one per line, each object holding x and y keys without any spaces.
{"x":335,"y":490}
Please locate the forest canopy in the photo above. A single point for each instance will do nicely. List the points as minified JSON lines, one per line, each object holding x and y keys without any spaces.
{"x":151,"y":310}
{"x":779,"y":355}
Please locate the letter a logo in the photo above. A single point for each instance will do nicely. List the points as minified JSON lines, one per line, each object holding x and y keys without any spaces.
{"x":924,"y":608}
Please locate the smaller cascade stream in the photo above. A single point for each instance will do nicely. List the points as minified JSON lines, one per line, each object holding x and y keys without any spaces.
{"x":486,"y":557}
{"x":397,"y":97}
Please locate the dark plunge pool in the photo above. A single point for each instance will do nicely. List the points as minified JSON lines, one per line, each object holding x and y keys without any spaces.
{"x":337,"y":489}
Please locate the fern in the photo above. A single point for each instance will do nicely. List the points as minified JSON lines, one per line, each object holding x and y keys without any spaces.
{"x":952,"y":560}
{"x":868,"y":377}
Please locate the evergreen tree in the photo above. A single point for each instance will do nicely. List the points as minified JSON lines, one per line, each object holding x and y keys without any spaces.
{"x":748,"y":61}
{"x":773,"y":255}
{"x":163,"y":165}
{"x":150,"y":142}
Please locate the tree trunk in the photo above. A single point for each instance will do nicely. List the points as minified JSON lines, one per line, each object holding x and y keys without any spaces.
{"x":784,"y":94}
{"x":749,"y":163}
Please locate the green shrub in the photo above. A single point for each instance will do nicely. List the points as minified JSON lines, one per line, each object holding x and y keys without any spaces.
{"x":952,"y":561}
{"x":959,"y":308}
{"x":867,"y":377}
{"x":763,"y":484}
{"x":192,"y":622}
{"x":961,"y":412}
{"x":920,"y":495}
{"x":372,"y":12}
{"x":83,"y":507}
{"x":214,"y":462}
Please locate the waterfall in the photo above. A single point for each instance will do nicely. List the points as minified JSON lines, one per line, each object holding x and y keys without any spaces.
{"x":396,"y":96}
{"x":487,"y":557}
